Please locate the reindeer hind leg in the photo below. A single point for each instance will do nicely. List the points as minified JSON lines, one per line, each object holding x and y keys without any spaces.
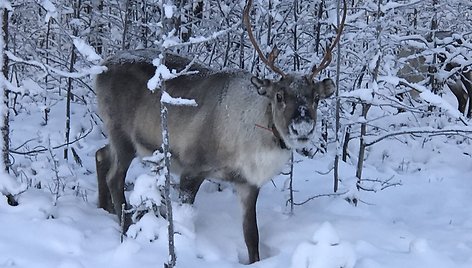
{"x":103,"y":162}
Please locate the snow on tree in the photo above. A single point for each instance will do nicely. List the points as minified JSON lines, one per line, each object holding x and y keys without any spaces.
{"x":9,"y":186}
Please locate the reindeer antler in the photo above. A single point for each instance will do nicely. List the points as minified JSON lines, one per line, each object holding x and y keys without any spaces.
{"x":270,"y":61}
{"x":328,"y":56}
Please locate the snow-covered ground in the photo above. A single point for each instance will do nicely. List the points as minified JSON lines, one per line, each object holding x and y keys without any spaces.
{"x":425,"y":221}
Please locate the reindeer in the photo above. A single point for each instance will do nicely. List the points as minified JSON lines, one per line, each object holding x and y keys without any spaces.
{"x":419,"y":67}
{"x":461,"y":87}
{"x":242,"y":130}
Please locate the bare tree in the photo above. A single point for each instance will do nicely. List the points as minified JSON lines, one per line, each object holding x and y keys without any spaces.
{"x":5,"y":103}
{"x":6,"y":96}
{"x":167,"y":27}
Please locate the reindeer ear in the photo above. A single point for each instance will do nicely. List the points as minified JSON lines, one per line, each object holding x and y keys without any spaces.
{"x":324,"y":89}
{"x":261,"y":85}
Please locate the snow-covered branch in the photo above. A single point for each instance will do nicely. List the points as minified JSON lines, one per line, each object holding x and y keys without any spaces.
{"x":419,"y":130}
{"x":86,"y":50}
{"x":426,"y":95}
{"x":167,"y":99}
{"x":172,"y":42}
{"x":93,"y":70}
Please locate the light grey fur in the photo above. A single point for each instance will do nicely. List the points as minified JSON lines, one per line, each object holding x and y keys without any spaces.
{"x":234,"y":133}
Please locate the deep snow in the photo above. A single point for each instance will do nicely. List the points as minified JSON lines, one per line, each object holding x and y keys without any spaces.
{"x":423,"y":221}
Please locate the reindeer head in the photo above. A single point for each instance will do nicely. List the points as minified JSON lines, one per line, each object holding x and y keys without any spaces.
{"x":294,"y":98}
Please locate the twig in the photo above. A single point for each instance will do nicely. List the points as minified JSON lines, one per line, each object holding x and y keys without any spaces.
{"x":43,"y":149}
{"x":384,"y":184}
{"x":291,"y":200}
{"x":318,"y":196}
{"x":194,"y":40}
{"x":122,"y":221}
{"x":435,"y":132}
{"x":325,"y":173}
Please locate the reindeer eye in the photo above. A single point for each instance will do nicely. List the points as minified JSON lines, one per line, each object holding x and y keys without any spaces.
{"x":317,"y":99}
{"x":279,"y":97}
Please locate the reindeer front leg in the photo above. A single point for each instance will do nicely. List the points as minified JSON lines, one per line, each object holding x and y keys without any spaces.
{"x":248,"y":196}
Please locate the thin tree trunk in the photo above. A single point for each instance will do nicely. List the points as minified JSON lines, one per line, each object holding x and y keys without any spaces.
{"x":269,"y":24}
{"x":169,"y":215}
{"x":99,"y":41}
{"x":46,"y":46}
{"x":165,"y":147}
{"x":73,"y":58}
{"x":434,"y":28}
{"x":338,"y":109}
{"x":228,"y":37}
{"x":68,"y":102}
{"x":241,"y":51}
{"x":362,"y":145}
{"x":292,"y":201}
{"x":144,"y":26}
{"x":347,"y":134}
{"x":366,"y":106}
{"x":324,"y":135}
{"x":318,"y":27}
{"x":296,"y":59}
{"x":296,"y":67}
{"x":347,"y":138}
{"x":227,"y":50}
{"x":46,"y":77}
{"x":6,"y":95}
{"x":126,"y":25}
